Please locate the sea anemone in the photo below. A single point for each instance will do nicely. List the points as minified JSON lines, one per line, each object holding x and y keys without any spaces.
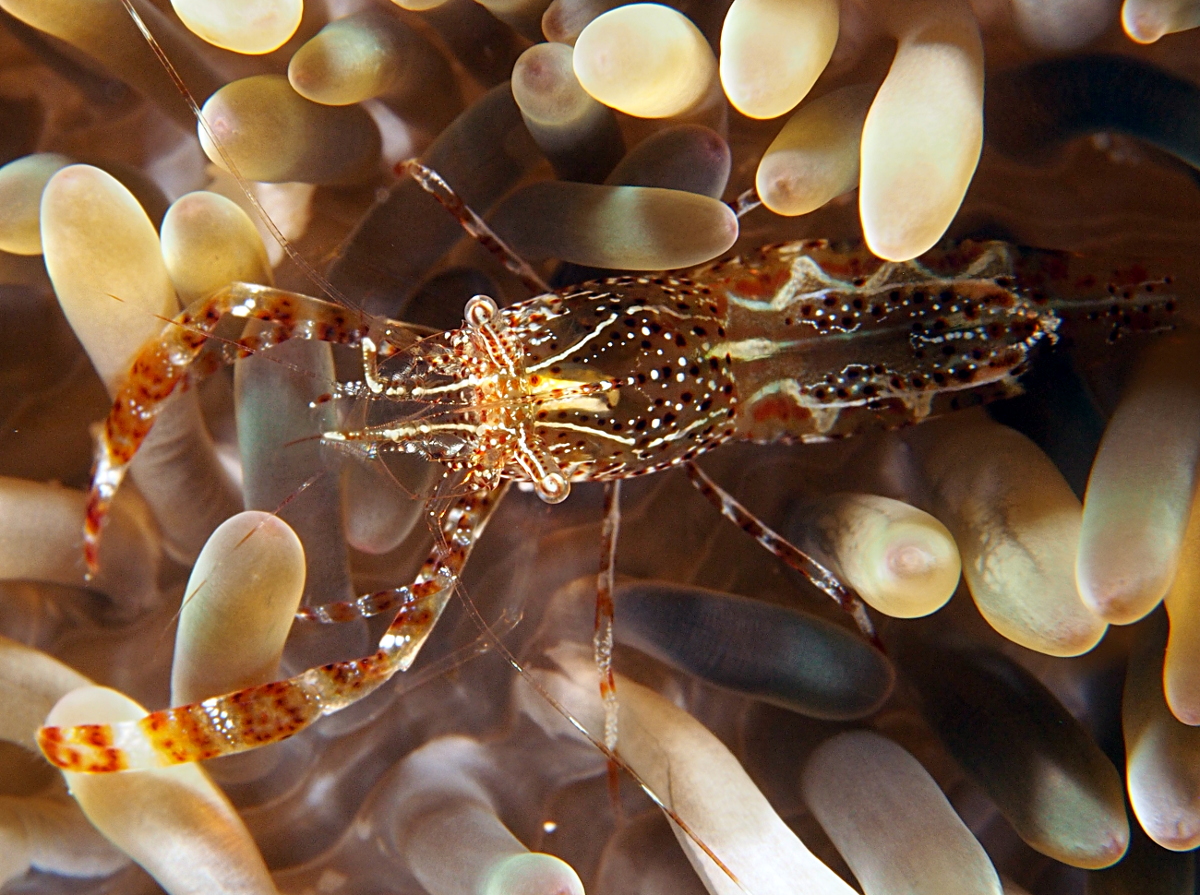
{"x":1030,"y":729}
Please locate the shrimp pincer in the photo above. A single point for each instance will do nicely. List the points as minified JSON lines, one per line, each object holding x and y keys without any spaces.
{"x":616,"y":378}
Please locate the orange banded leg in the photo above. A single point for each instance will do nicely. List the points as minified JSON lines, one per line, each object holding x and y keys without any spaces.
{"x":475,"y":226}
{"x":393,"y":599}
{"x":602,"y":636}
{"x":166,"y":360}
{"x":819,"y":576}
{"x":271,"y":712}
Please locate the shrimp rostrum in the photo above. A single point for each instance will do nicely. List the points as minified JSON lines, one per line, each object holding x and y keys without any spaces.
{"x":615,"y":378}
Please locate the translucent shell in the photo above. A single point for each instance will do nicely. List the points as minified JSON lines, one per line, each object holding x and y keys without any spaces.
{"x":654,"y":342}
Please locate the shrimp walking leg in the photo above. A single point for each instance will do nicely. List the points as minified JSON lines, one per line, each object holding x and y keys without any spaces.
{"x":820,"y":577}
{"x":473,"y":224}
{"x":271,"y":712}
{"x":167,"y":360}
{"x":602,"y":639}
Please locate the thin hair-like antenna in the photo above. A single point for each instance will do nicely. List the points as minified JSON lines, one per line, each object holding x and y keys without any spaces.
{"x":309,"y":271}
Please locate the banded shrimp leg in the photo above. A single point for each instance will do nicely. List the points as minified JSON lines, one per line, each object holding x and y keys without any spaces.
{"x":170,"y":359}
{"x":270,"y":712}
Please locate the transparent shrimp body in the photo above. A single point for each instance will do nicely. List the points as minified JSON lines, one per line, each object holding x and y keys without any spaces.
{"x":611,"y":379}
{"x":618,"y":378}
